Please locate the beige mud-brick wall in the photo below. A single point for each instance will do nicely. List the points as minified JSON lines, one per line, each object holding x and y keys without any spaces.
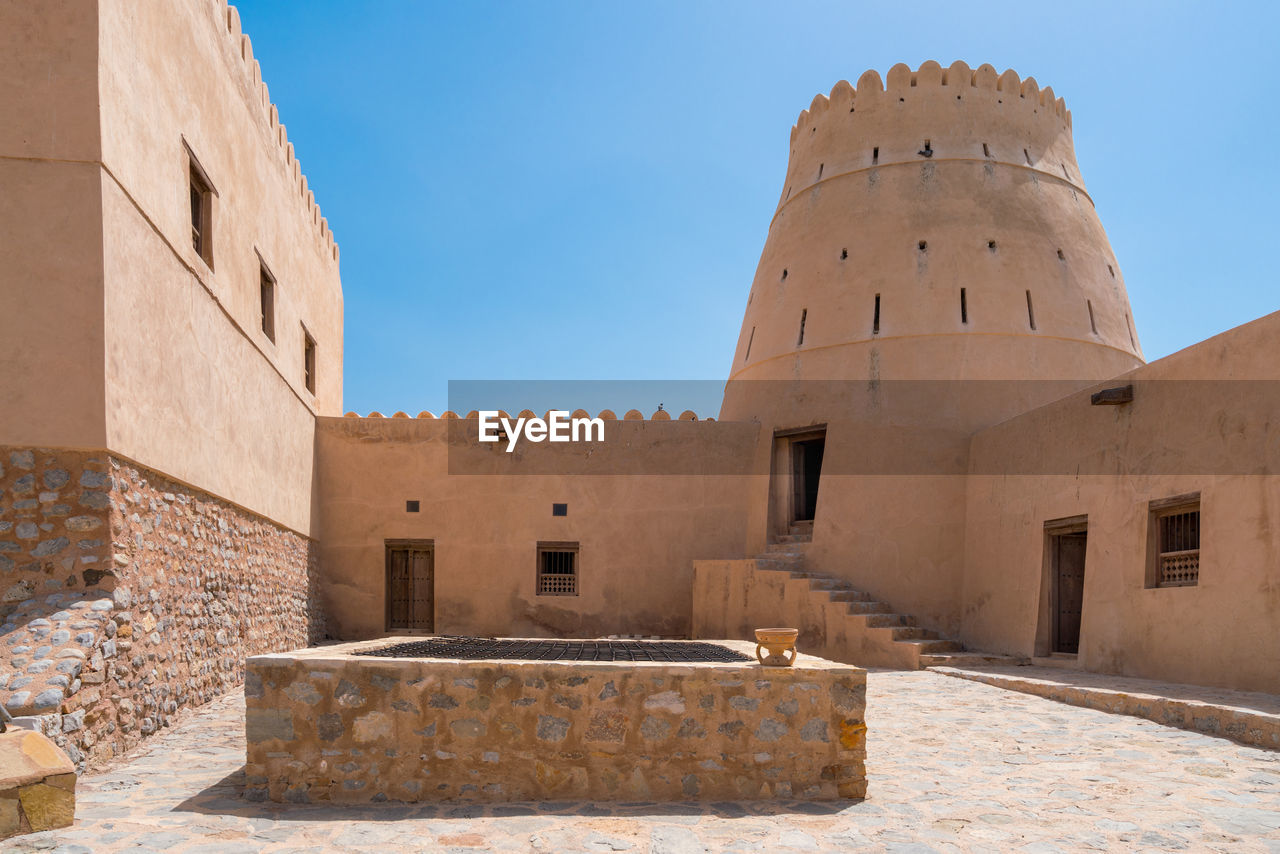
{"x":193,"y":386}
{"x":324,"y":725}
{"x":51,"y":333}
{"x":1202,"y":420}
{"x":635,"y":506}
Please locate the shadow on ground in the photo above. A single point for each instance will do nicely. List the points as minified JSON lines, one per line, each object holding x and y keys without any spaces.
{"x":224,"y":798}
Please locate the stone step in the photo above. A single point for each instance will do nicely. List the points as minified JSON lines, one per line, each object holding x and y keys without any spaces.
{"x":903,"y":633}
{"x":771,"y":566}
{"x":887,"y":621}
{"x":855,"y":596}
{"x":830,"y":585}
{"x":869,"y":606}
{"x":793,"y":538}
{"x":805,"y":527}
{"x":972,"y":658}
{"x":932,"y":647}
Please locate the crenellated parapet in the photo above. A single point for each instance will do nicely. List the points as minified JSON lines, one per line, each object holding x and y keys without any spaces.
{"x":242,"y":47}
{"x":604,"y":415}
{"x":931,"y":114}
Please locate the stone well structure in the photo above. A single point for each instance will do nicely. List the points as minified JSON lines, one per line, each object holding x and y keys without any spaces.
{"x":324,"y":724}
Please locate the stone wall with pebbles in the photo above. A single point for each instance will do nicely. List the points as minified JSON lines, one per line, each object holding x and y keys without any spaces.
{"x":325,"y":725}
{"x":137,"y":597}
{"x":54,"y":509}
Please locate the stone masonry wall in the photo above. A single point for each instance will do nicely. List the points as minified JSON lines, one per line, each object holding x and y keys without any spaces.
{"x":136,"y":598}
{"x":326,"y":725}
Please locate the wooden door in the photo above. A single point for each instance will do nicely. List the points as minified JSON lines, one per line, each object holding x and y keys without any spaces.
{"x":410,"y":588}
{"x":806,"y":469}
{"x":1068,"y":564}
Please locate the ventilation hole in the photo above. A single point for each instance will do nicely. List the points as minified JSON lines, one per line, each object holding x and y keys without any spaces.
{"x":747,"y":355}
{"x":964,"y":307}
{"x":999,"y":100}
{"x":875,"y":155}
{"x":1093,"y":324}
{"x":1027,"y":155}
{"x":1061,"y":257}
{"x":844,"y":253}
{"x":991,"y":244}
{"x":750,"y":297}
{"x":784,"y":275}
{"x":875,"y":318}
{"x":412,"y":507}
{"x":1031,"y":313}
{"x":788,"y":192}
{"x":1064,"y":170}
{"x":902,"y":100}
{"x":821,"y":166}
{"x":986,"y":152}
{"x":851,"y":109}
{"x":957,"y":97}
{"x":1111,"y":270}
{"x":927,"y":151}
{"x":804,"y":315}
{"x":923,"y":245}
{"x":1129,"y":324}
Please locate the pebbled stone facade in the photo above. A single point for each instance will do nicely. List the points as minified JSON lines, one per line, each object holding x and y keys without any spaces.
{"x":325,"y":725}
{"x":129,"y":597}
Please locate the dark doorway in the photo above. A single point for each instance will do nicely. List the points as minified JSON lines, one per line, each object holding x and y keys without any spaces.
{"x":410,"y":586}
{"x":1067,"y":554}
{"x":806,"y":467}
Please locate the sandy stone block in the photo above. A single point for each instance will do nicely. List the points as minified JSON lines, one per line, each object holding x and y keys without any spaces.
{"x":27,"y":756}
{"x":47,"y":807}
{"x":10,"y":815}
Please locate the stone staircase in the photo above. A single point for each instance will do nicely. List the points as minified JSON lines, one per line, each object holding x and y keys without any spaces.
{"x":836,"y":620}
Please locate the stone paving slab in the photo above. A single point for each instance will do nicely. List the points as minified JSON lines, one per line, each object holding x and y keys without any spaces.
{"x":953,"y":765}
{"x":1247,"y":717}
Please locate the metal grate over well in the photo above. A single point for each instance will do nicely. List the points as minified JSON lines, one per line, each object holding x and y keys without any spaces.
{"x":475,"y":649}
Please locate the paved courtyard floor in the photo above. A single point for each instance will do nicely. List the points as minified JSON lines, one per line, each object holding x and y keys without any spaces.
{"x":953,"y":766}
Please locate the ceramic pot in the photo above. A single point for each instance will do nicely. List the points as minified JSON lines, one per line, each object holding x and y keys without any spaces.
{"x":778,"y":642}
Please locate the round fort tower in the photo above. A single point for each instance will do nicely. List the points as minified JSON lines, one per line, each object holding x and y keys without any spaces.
{"x":934,"y":226}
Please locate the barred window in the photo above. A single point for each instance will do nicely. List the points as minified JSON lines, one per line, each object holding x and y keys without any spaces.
{"x":1175,"y":546}
{"x":557,"y":569}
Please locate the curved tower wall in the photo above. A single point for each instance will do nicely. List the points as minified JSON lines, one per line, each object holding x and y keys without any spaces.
{"x":936,"y":181}
{"x":908,"y":193}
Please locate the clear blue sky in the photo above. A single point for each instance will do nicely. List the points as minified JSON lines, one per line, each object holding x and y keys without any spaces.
{"x":581,"y":190}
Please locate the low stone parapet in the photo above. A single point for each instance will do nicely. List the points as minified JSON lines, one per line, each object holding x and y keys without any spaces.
{"x":37,"y":784}
{"x":323,"y":724}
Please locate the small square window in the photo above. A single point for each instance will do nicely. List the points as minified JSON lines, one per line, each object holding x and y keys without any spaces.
{"x":559,"y":509}
{"x":1174,"y":542}
{"x":557,"y":569}
{"x":412,"y":506}
{"x":267,"y":300}
{"x":309,"y":361}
